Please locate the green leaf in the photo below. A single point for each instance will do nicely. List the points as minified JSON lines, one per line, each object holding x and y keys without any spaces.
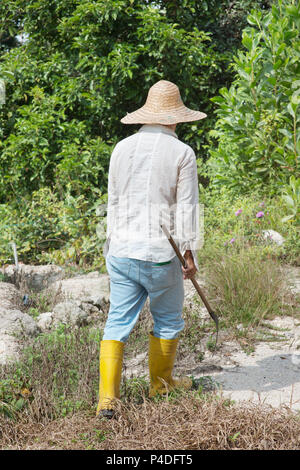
{"x":293,"y":10}
{"x":247,"y":41}
{"x":19,"y":404}
{"x":287,"y":218}
{"x":278,"y":64}
{"x":261,"y":169}
{"x":291,"y":110}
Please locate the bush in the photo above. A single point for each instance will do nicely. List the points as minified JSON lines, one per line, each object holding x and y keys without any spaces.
{"x":84,"y":65}
{"x":257,"y":128}
{"x":49,"y":230}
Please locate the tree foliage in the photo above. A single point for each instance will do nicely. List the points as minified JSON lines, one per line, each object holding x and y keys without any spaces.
{"x":84,"y":65}
{"x":10,"y":25}
{"x":74,"y":68}
{"x":224,"y":20}
{"x":258,"y":125}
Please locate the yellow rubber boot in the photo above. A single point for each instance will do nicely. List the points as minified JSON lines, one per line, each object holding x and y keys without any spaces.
{"x":162,"y":354}
{"x":111,"y":361}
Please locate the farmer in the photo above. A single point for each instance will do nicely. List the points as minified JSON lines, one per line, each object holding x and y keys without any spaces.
{"x":152,"y":181}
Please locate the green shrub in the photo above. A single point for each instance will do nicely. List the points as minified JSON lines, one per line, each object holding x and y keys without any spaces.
{"x":85,"y":65}
{"x":257,"y":130}
{"x":291,"y":198}
{"x":49,"y":230}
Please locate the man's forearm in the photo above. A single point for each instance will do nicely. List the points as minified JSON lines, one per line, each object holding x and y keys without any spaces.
{"x":188,"y":254}
{"x":190,"y":269}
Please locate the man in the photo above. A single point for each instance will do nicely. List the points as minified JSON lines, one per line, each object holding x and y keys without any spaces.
{"x":152,"y":181}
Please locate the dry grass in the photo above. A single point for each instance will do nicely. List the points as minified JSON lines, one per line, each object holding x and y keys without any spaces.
{"x":191,"y":423}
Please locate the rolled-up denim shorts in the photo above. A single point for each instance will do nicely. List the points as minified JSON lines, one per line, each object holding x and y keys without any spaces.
{"x":131,"y":282}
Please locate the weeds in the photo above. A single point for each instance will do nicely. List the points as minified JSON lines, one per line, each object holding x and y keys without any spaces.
{"x":40,"y":302}
{"x":48,"y":399}
{"x":246,"y":289}
{"x":135,"y":389}
{"x":60,"y":372}
{"x":211,"y":344}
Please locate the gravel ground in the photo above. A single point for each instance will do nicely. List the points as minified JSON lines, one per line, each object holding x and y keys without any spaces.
{"x":270,"y":374}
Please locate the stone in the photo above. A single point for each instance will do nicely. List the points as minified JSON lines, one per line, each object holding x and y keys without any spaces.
{"x":9,"y":349}
{"x":15,"y":327}
{"x":273,"y":236}
{"x":45,"y":321}
{"x":68,"y":313}
{"x":36,"y":278}
{"x":15,"y":322}
{"x":10,"y":297}
{"x":93,"y":289}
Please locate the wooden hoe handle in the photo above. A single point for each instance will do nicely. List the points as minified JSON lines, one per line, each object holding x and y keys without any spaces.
{"x":196,"y":285}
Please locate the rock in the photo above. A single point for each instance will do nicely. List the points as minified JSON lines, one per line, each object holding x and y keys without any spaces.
{"x":93,"y":289}
{"x":15,"y":326}
{"x":273,"y":236}
{"x":73,"y":312}
{"x":136,"y":365}
{"x":67,"y":313}
{"x":35,"y":278}
{"x":9,"y":349}
{"x":89,"y":308}
{"x":295,"y":358}
{"x":10,"y":297}
{"x":15,"y":322}
{"x":45,"y":321}
{"x":92,"y":274}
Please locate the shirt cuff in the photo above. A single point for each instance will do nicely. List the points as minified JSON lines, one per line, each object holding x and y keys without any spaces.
{"x":184,"y":246}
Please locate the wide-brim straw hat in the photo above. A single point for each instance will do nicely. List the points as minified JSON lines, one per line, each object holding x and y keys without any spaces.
{"x":163,"y":106}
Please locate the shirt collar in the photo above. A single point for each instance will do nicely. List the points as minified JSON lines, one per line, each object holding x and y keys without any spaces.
{"x":158,"y":128}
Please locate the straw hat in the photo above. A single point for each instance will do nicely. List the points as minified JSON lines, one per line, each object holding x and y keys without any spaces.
{"x":163,"y":106}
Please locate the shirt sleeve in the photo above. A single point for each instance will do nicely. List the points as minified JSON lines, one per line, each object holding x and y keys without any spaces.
{"x":187,"y":206}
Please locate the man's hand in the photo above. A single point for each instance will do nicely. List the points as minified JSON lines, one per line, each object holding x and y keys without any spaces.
{"x":190,"y":269}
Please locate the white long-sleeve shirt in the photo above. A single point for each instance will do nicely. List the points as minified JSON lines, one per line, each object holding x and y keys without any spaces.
{"x":152,"y":181}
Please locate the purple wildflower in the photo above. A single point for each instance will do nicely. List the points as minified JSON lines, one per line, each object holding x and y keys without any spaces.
{"x":232,"y":240}
{"x":260,"y":214}
{"x":239,"y":211}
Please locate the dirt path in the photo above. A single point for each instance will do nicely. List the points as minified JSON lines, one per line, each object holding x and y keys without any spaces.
{"x":268,"y":375}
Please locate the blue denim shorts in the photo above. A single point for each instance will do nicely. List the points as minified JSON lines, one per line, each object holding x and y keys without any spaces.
{"x":131,"y":282}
